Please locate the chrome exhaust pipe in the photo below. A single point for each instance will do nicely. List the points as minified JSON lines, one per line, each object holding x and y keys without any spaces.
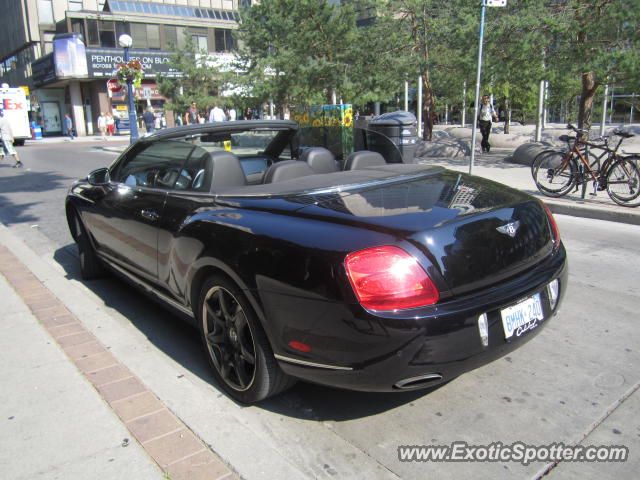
{"x":418,"y":382}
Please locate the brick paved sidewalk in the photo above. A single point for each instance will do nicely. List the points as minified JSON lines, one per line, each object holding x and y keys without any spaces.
{"x":165,"y":438}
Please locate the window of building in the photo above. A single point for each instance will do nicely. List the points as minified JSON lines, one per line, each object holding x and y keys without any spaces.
{"x":77,"y":26}
{"x":106,"y":31}
{"x":224,"y":40}
{"x":170,"y":37}
{"x":122,"y":28}
{"x":145,"y":36}
{"x":93,"y":37}
{"x":201,"y":42}
{"x":45,"y":12}
{"x":75,"y":5}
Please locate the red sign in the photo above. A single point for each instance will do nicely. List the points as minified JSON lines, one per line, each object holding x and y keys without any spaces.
{"x":114,"y":85}
{"x":11,"y":104}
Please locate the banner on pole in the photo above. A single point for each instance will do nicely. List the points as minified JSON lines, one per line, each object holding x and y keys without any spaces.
{"x":496,"y":3}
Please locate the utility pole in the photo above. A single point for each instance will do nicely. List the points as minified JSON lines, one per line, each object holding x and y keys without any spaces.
{"x":464,"y":104}
{"x":474,"y":129}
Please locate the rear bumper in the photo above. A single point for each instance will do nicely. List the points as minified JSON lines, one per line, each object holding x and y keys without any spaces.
{"x":424,"y":347}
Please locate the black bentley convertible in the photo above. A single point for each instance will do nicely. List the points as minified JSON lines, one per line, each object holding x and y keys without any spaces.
{"x":298,"y":261}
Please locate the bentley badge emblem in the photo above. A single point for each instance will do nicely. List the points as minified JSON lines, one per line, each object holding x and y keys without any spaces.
{"x":510,"y":228}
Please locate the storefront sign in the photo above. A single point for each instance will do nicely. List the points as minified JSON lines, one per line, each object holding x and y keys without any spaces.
{"x":102,"y":62}
{"x":43,"y":70}
{"x":70,"y":56}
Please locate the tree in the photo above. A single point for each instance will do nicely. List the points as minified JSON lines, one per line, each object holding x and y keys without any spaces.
{"x":201,"y":81}
{"x":598,"y":41}
{"x":516,"y":40}
{"x":431,"y":33}
{"x":297,"y":51}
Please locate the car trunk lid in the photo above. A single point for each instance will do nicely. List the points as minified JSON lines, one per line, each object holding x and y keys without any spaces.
{"x":475,"y":232}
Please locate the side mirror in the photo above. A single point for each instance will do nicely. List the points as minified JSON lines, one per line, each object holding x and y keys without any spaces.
{"x":99,"y":177}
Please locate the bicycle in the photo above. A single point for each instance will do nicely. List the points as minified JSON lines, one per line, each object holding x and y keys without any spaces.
{"x":556,"y":172}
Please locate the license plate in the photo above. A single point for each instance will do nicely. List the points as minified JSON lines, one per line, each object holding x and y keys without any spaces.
{"x":526,"y":315}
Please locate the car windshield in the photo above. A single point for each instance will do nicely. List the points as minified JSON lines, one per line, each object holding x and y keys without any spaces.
{"x":248,"y":142}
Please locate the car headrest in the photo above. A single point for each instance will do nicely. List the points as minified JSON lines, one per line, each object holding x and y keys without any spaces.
{"x":363,"y":159}
{"x":320,"y":160}
{"x":225,"y":169}
{"x":286,"y":170}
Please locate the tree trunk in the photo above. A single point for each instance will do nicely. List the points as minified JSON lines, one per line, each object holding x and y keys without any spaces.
{"x":585,"y":112}
{"x":507,"y":114}
{"x":427,"y":106}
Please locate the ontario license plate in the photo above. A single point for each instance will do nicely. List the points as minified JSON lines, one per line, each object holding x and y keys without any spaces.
{"x":522,"y":317}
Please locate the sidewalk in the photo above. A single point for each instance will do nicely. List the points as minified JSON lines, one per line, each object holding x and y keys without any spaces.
{"x":71,"y":410}
{"x":496,"y":166}
{"x":116,"y":140}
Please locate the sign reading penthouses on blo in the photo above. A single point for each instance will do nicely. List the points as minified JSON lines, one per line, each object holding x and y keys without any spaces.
{"x":102,"y":62}
{"x":496,"y":3}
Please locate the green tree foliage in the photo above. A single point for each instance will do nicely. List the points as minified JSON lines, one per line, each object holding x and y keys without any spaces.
{"x":433,"y":37}
{"x":201,"y":81}
{"x":599,"y":42}
{"x":515,"y":39}
{"x":297,"y":51}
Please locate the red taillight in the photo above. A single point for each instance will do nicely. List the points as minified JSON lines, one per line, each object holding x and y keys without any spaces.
{"x":388,"y":278}
{"x":303,"y":347}
{"x":554,"y":226}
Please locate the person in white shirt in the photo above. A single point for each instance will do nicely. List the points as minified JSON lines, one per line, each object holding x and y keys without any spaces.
{"x":6,"y":141}
{"x":102,"y":125}
{"x":232,"y":114}
{"x":485,"y":115}
{"x":216,"y":114}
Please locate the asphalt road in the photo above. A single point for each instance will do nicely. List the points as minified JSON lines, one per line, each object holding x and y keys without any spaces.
{"x":574,"y":382}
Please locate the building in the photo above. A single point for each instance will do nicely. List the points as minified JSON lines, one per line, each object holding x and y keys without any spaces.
{"x":65,"y":51}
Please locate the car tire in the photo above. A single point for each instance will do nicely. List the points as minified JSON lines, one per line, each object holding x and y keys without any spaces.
{"x":235,"y":344}
{"x":91,"y":266}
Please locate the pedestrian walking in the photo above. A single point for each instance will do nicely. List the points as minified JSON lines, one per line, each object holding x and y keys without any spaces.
{"x":6,"y":137}
{"x":102,"y":125}
{"x":486,"y":114}
{"x":192,"y":115}
{"x":217,"y":114}
{"x":111,"y":124}
{"x":68,"y":123}
{"x":232,"y":114}
{"x":149,"y":120}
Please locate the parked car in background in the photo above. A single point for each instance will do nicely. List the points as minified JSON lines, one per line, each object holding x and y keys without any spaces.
{"x":299,"y":261}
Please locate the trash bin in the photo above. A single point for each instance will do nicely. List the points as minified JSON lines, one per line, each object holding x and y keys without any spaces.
{"x":36,"y":131}
{"x":400,"y":128}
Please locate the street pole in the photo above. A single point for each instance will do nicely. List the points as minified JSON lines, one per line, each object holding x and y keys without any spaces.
{"x":603,"y":120}
{"x":474,"y":120}
{"x":125,"y":42}
{"x":540,"y":113}
{"x":419,"y":107}
{"x":464,"y":104}
{"x":406,"y":96}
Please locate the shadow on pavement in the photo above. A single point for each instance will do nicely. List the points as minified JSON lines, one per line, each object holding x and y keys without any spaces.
{"x":180,"y":341}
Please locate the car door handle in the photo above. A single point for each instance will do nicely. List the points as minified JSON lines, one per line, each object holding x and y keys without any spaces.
{"x":150,"y":215}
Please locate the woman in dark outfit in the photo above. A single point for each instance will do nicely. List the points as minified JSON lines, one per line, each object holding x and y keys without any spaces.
{"x":486,"y":114}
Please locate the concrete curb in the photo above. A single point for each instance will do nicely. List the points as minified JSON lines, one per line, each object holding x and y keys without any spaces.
{"x":596,"y":213}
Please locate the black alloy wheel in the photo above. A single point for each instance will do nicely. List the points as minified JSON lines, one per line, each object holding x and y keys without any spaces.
{"x":236,"y":347}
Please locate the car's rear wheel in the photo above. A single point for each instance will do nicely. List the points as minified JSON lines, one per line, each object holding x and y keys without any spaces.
{"x":90,"y":265}
{"x":236,"y":347}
